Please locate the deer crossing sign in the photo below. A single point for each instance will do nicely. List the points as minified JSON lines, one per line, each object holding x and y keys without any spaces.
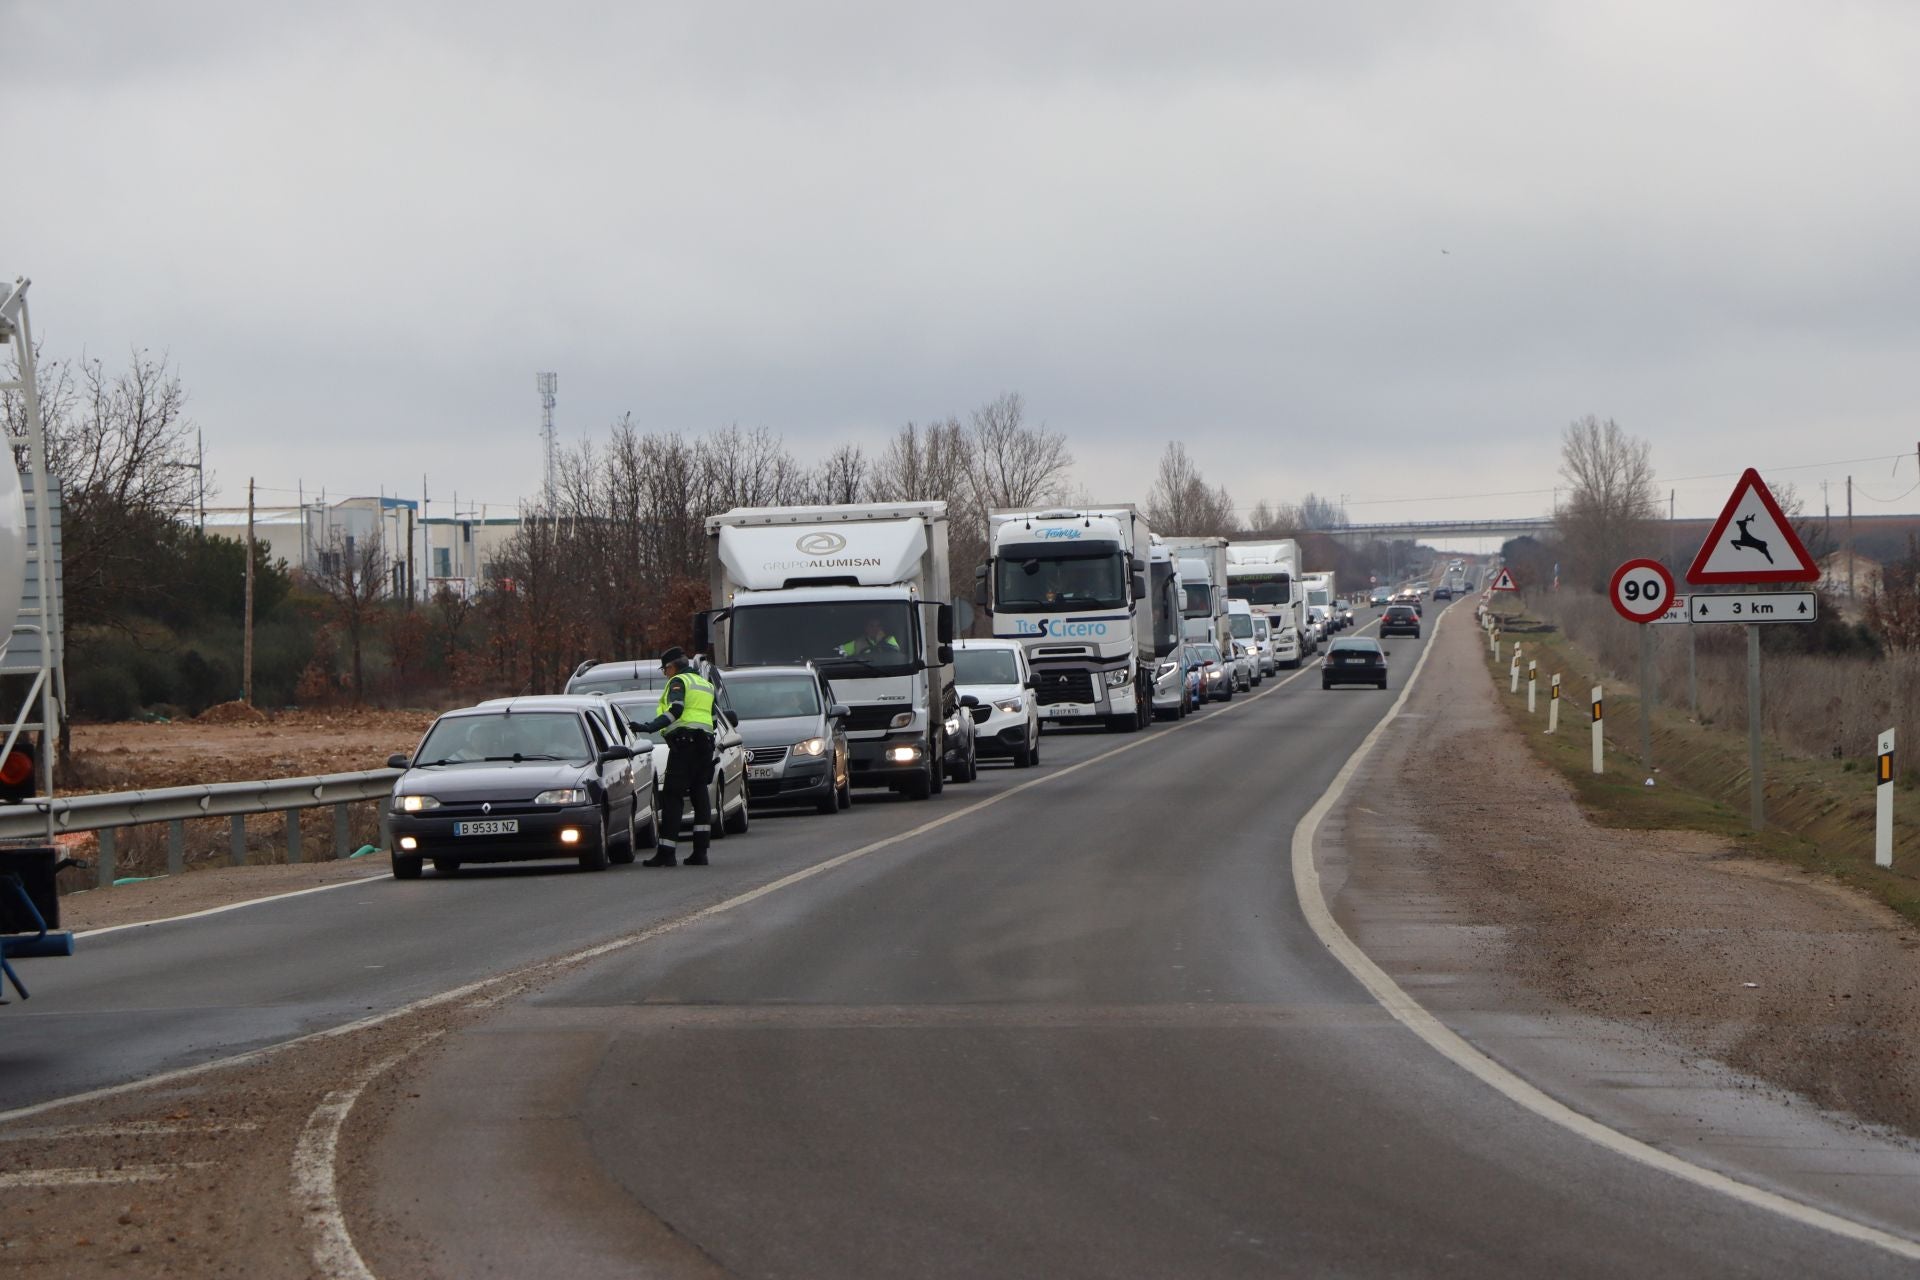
{"x":1752,"y":541}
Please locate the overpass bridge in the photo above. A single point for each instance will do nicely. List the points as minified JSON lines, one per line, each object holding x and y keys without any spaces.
{"x":1437,"y":532}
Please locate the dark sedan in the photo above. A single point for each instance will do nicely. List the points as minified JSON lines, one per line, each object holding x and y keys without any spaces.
{"x":496,"y":784}
{"x":1354,"y":660}
{"x":1401,"y":620}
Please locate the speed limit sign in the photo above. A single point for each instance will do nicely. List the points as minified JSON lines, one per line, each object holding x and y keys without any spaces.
{"x":1642,"y":590}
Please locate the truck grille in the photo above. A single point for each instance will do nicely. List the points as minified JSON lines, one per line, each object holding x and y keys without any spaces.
{"x":873,"y":717}
{"x":1063,"y":686}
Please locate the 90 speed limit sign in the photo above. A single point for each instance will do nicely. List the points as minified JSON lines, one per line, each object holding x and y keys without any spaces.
{"x":1642,"y":590}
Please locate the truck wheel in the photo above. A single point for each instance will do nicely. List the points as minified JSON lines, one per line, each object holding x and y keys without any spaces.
{"x":1122,"y":724}
{"x":406,"y":867}
{"x":919,"y":786}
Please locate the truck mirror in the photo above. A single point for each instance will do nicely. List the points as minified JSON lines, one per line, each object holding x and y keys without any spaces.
{"x":943,"y":623}
{"x":980,"y":593}
{"x":1141,"y":590}
{"x":945,"y":656}
{"x":703,"y":632}
{"x":1138,"y":565}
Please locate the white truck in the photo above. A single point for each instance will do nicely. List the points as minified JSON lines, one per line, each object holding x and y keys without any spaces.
{"x":861,"y":591}
{"x":1266,"y":575}
{"x":1074,"y":587}
{"x":1203,"y":577}
{"x":1319,"y":598}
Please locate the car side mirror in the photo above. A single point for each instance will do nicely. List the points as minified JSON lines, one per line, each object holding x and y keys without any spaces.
{"x":968,"y":700}
{"x":611,"y":754}
{"x":839,"y":711}
{"x":398,"y":761}
{"x":1033,"y":682}
{"x":1386,"y":653}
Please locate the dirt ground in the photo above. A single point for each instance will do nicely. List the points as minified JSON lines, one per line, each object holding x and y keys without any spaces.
{"x":223,"y":747}
{"x":1790,"y":978}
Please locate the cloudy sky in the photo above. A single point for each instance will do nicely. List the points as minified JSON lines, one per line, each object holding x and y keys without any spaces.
{"x":1383,"y":250}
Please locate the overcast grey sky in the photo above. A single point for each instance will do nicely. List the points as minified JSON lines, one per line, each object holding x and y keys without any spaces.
{"x":1378,"y":249}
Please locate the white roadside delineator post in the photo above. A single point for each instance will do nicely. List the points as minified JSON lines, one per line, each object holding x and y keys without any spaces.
{"x":1513,"y":670}
{"x":1883,"y":805}
{"x":1533,"y":679}
{"x":1553,"y":705}
{"x":1599,"y":739}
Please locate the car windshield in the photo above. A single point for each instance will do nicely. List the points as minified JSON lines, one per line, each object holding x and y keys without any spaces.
{"x":1241,"y":624}
{"x":985,"y":666}
{"x":1060,"y":583}
{"x":866,"y":633}
{"x":1206,"y":653}
{"x":774,"y":697}
{"x":505,"y":736}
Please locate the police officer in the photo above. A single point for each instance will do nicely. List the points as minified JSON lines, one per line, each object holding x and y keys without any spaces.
{"x":685,"y":719}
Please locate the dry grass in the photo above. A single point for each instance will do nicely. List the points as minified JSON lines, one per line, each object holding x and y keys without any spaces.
{"x":1812,"y":706}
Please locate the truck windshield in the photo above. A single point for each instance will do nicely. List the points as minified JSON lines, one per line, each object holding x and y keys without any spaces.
{"x":1269,"y":591}
{"x":1316,"y":596}
{"x":1199,"y":600}
{"x":1242,"y":624}
{"x":1042,"y":584}
{"x":875,"y":633}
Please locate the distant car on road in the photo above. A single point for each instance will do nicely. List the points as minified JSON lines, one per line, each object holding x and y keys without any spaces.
{"x":1381,"y":598}
{"x":1443,"y":592}
{"x":963,"y":753}
{"x":518,"y":783}
{"x":1354,"y":660}
{"x":1400,"y":620}
{"x":1216,"y":675}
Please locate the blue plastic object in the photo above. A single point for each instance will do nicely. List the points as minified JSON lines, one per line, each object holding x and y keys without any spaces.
{"x":27,"y":945}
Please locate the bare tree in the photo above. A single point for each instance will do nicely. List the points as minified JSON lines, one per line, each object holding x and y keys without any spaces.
{"x":1181,"y":503}
{"x":353,"y":575}
{"x":122,"y":449}
{"x":1014,"y":464}
{"x":1604,"y":518}
{"x":843,"y":476}
{"x":1317,"y":513}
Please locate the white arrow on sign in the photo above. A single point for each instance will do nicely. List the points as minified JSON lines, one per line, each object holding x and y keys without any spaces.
{"x":1755,"y":606}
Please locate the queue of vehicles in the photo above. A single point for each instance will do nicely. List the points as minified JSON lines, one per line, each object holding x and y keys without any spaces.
{"x":830,"y":643}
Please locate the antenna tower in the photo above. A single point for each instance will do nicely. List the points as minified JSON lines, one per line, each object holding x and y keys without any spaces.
{"x":549,"y":383}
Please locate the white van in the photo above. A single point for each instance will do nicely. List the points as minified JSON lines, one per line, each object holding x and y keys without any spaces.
{"x":1247,"y":644}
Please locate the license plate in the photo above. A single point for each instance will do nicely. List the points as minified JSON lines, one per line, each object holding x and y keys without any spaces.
{"x":762,"y":772}
{"x":1057,"y":711}
{"x":488,"y":827}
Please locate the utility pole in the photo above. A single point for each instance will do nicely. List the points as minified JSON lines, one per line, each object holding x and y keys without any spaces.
{"x":1672,"y":497}
{"x":200,"y":475}
{"x":246,"y":639}
{"x":1849,"y":542}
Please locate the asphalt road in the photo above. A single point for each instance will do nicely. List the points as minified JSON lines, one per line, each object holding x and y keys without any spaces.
{"x":1083,"y":1031}
{"x":136,"y":1002}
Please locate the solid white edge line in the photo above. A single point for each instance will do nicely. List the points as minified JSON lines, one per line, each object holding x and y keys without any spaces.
{"x":507,"y":979}
{"x":316,"y":1189}
{"x":231,"y":906}
{"x":1455,"y":1048}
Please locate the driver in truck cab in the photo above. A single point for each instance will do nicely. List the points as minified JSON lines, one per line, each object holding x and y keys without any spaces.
{"x":874,"y":639}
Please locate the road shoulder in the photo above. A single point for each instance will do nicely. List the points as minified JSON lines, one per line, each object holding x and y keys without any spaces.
{"x":1612,"y":968}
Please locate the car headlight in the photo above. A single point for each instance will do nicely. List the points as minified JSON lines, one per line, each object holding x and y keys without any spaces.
{"x":414,"y":804}
{"x":902,"y":720}
{"x":953,"y":724}
{"x":562,"y":795}
{"x":811,"y":747}
{"x":1010,"y":705}
{"x":1118,"y":679}
{"x":1213,"y":675}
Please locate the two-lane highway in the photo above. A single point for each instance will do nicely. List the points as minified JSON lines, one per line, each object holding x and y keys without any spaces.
{"x":1083,"y":1031}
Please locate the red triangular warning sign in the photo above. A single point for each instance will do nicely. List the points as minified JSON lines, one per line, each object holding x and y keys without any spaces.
{"x":1503,"y":581}
{"x":1761,"y":547}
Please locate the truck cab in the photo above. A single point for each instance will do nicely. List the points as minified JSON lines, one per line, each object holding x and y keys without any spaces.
{"x":862,"y":592}
{"x":1074,"y":586}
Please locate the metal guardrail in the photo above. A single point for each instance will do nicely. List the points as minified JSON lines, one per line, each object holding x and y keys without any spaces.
{"x":236,"y":801}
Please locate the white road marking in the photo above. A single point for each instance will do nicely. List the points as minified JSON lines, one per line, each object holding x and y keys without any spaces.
{"x":97,"y":1177}
{"x":231,"y":906}
{"x":127,"y":1129}
{"x":1412,"y":1015}
{"x":314,"y":1185}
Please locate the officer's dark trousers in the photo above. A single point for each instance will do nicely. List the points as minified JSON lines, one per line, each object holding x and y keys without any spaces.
{"x":689,"y":770}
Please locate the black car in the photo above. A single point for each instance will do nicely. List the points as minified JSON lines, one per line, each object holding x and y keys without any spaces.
{"x":1443,"y":592}
{"x":1400,"y":620}
{"x":1354,"y":660}
{"x":513,"y":784}
{"x":795,"y":735}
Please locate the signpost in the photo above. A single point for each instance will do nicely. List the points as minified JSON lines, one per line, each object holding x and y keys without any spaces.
{"x":1754,"y":606}
{"x":1642,"y":592}
{"x":1764,"y":549}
